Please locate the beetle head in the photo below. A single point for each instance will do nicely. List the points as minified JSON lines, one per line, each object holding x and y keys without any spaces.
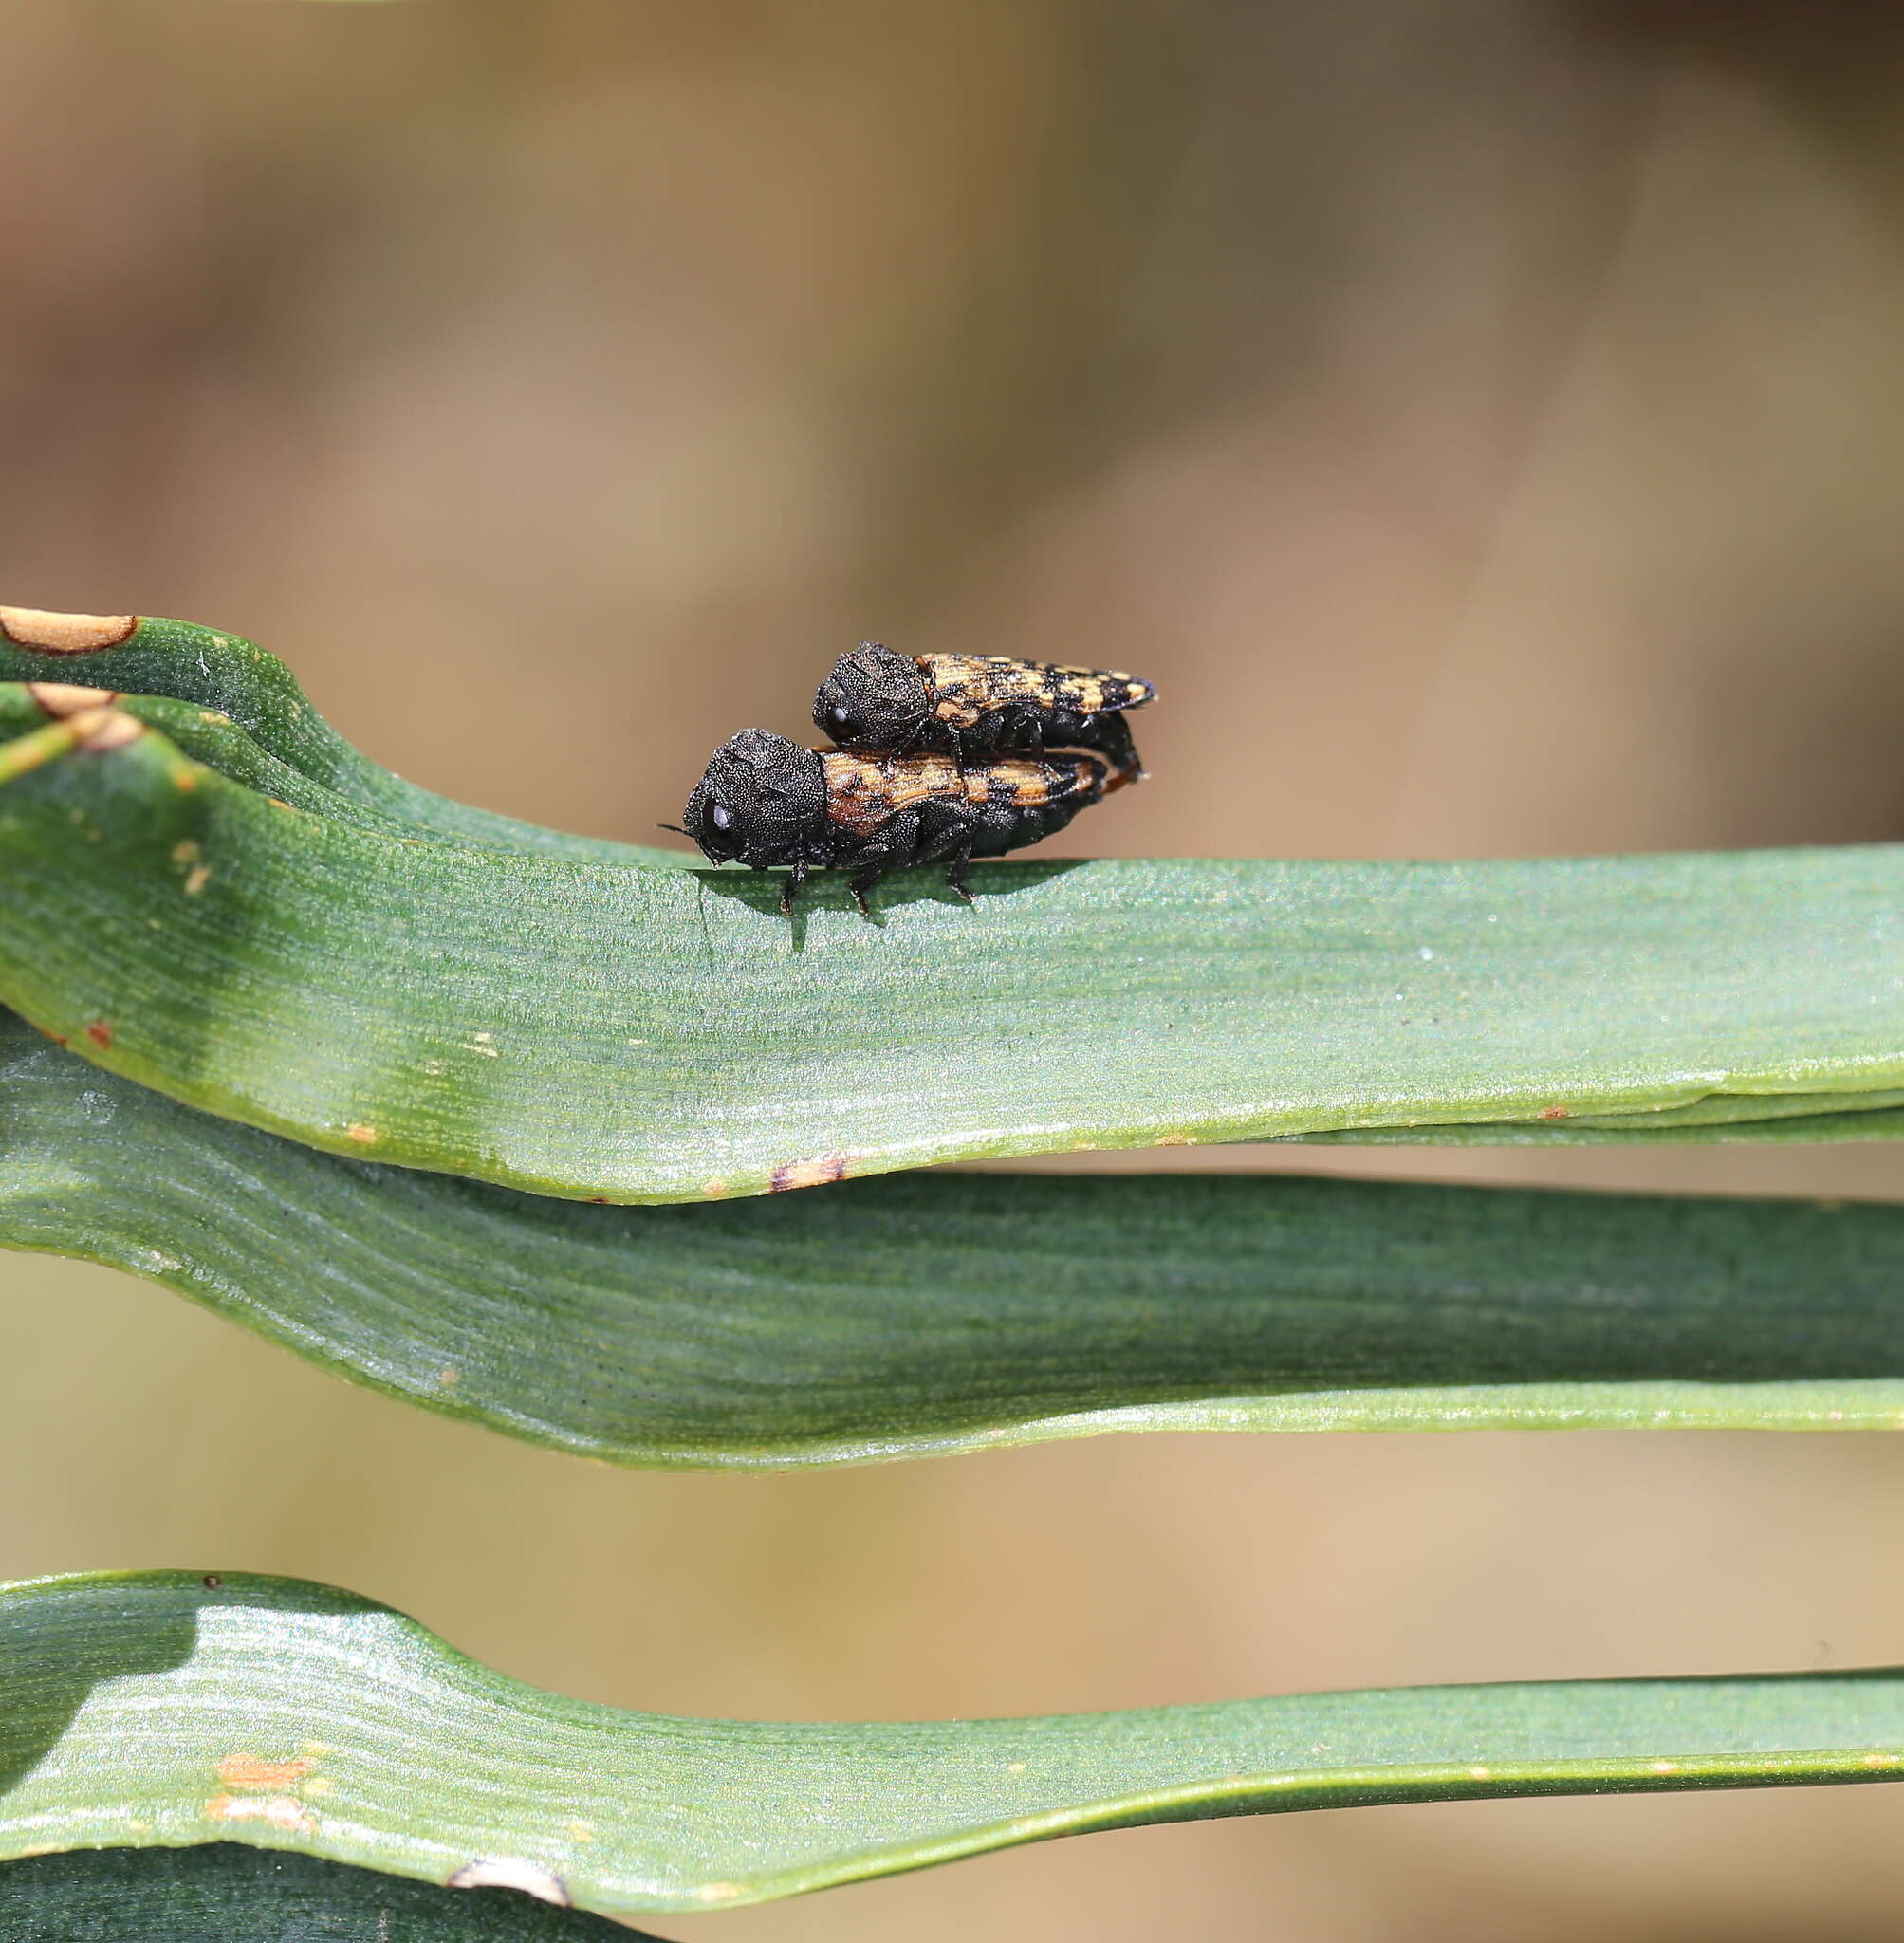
{"x":762,"y":800}
{"x":873,"y":699}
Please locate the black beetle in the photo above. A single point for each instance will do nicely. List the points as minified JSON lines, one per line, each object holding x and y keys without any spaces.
{"x":976,"y":705}
{"x":766,"y":801}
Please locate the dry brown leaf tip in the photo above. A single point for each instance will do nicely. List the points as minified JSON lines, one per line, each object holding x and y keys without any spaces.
{"x":46,"y":633}
{"x":100,"y":729}
{"x":60,"y":699}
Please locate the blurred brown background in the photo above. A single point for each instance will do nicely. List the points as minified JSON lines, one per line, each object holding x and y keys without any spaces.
{"x":1485,"y":422}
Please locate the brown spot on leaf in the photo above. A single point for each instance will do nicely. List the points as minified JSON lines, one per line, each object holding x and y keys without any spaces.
{"x":247,"y":1770}
{"x":449,"y":1378}
{"x":201,"y":876}
{"x":100,"y":1033}
{"x":1174,"y":1140}
{"x":714,"y":1189}
{"x":64,"y":634}
{"x":509,"y":1872}
{"x":1556,"y":1113}
{"x":816,"y":1172}
{"x":364,"y":1136}
{"x":62,"y":698}
{"x":282,"y":1812}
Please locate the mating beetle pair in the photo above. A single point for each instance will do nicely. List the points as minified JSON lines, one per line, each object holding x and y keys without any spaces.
{"x":944,"y":758}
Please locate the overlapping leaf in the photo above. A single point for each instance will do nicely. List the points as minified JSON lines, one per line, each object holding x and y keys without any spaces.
{"x":229,"y":683}
{"x":166,"y":1709}
{"x":944,"y":1312}
{"x":223,"y":1893}
{"x":494,"y":1009}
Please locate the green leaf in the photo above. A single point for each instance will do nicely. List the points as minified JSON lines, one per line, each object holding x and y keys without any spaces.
{"x":219,"y":743}
{"x":222,"y":1894}
{"x":652,"y":1035}
{"x":156,"y":1709}
{"x":228,"y":682}
{"x":936,"y":1313}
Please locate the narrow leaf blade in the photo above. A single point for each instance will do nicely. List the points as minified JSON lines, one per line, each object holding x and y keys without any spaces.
{"x":925,"y":1314}
{"x":159,"y":1710}
{"x":643,"y":1035}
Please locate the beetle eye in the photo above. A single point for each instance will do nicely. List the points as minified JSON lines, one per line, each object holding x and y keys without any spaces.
{"x":717,"y":814}
{"x":840,"y":714}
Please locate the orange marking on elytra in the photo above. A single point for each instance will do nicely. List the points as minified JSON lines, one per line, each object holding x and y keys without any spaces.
{"x":863,"y":792}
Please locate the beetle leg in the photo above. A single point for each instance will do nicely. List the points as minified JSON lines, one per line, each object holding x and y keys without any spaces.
{"x":790,"y":887}
{"x":1111,"y":736}
{"x":896,"y":846}
{"x":956,"y":875}
{"x":932,"y":733}
{"x":863,"y":880}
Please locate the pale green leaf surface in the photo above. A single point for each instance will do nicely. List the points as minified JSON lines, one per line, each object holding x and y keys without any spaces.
{"x":638,"y":1035}
{"x":1797,"y":1119}
{"x":938,"y":1312}
{"x":219,"y":743}
{"x":148,"y":1710}
{"x":225,"y":675}
{"x":225,"y":1894}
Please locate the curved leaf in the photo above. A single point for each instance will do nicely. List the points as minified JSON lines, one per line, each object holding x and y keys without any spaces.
{"x":237,"y":683}
{"x":913,"y":1316}
{"x":222,"y":1893}
{"x":218,"y":743}
{"x":644,"y":1035}
{"x":156,"y":1709}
